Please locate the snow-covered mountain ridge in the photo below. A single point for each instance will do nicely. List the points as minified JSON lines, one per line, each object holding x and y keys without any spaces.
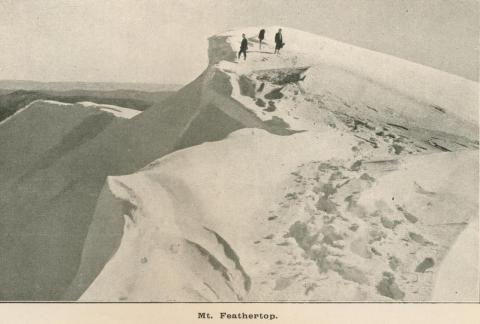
{"x":349,"y":217}
{"x":328,"y":172}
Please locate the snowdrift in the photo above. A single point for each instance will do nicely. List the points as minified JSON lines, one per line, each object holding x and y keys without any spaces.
{"x":318,"y":226}
{"x":321,"y":184}
{"x":351,"y":71}
{"x":47,"y":205}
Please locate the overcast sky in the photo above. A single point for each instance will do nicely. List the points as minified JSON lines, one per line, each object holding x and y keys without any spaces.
{"x":165,"y":41}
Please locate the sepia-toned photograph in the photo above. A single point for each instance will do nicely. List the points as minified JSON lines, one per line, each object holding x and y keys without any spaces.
{"x":245,"y":151}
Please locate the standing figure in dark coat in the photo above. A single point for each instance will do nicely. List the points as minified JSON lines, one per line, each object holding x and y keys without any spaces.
{"x":243,"y":48}
{"x":261,"y":36}
{"x":278,"y":41}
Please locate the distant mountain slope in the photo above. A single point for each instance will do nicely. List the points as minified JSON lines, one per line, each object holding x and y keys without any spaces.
{"x":85,"y":86}
{"x":44,"y":131}
{"x":34,"y":139}
{"x":12,"y":101}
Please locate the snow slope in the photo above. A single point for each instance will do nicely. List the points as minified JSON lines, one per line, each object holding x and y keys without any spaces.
{"x":114,"y":110}
{"x":351,"y":208}
{"x":47,"y":205}
{"x":172,"y":217}
{"x":424,"y":84}
{"x":58,"y":126}
{"x":223,"y":237}
{"x":457,"y":279}
{"x":321,"y":183}
{"x":39,"y":193}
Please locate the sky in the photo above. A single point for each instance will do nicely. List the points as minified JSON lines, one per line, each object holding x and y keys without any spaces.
{"x":165,"y":41}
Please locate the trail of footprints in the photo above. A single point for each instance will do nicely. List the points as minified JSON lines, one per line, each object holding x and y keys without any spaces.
{"x":379,"y":254}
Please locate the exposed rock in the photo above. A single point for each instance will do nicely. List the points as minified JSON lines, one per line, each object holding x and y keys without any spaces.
{"x":271,"y":107}
{"x":427,"y":263}
{"x":349,"y":272}
{"x":388,"y":223}
{"x":326,"y":205}
{"x":388,"y":288}
{"x":410,"y":217}
{"x":274,"y":94}
{"x":394,"y":263}
{"x":356,"y":165}
{"x":259,"y":102}
{"x":418,"y":238}
{"x":300,"y":232}
{"x":247,"y":86}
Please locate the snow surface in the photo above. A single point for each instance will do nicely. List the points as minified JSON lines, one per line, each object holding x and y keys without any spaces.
{"x":351,"y":208}
{"x":187,"y":195}
{"x":458,"y":263}
{"x":325,"y":173}
{"x":302,"y":49}
{"x":172,"y":202}
{"x":19,"y":112}
{"x":117,"y":111}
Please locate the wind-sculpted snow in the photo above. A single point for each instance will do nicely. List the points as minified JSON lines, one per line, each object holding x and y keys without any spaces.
{"x":327,"y":172}
{"x":183,"y":218}
{"x":114,"y":110}
{"x":340,"y":64}
{"x":57,"y":158}
{"x":321,"y":225}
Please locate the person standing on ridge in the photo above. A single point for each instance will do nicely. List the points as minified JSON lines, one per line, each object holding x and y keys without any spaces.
{"x":243,"y":47}
{"x":261,"y":36}
{"x":278,"y":41}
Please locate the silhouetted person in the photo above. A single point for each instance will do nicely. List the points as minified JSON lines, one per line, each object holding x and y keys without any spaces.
{"x":278,"y":41}
{"x":243,"y":48}
{"x":261,"y":36}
